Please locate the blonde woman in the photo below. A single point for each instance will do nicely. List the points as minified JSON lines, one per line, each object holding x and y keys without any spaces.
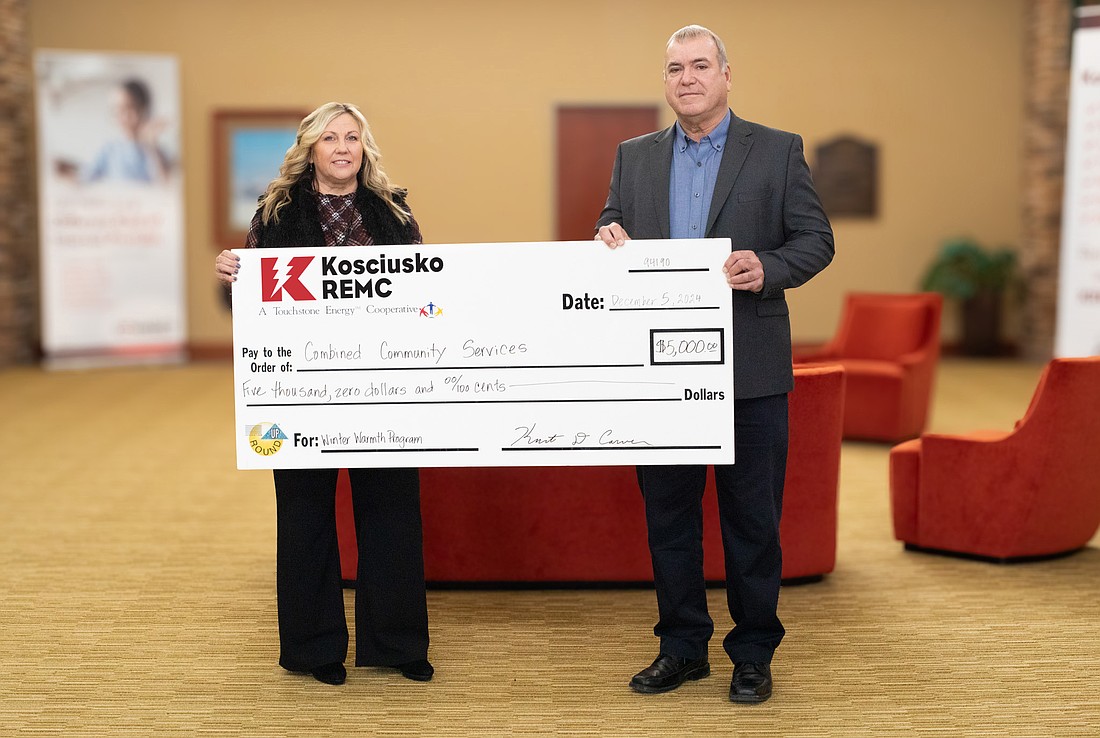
{"x":332,"y":191}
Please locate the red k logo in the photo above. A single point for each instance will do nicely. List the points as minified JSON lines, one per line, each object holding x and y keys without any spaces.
{"x":275,"y":280}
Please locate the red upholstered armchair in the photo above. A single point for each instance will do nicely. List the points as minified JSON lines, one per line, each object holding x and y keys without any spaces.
{"x":1029,"y":492}
{"x":587,"y":524}
{"x":889,"y":346}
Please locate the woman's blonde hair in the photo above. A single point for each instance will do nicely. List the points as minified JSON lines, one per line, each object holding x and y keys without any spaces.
{"x":296,"y":162}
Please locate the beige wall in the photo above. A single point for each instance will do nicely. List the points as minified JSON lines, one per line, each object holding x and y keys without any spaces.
{"x":461,"y":97}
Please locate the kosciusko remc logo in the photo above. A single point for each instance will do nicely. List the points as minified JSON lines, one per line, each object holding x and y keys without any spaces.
{"x":276,"y":279}
{"x":266,"y":438}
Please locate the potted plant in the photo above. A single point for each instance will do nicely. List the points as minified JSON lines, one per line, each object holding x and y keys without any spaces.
{"x":979,"y":279}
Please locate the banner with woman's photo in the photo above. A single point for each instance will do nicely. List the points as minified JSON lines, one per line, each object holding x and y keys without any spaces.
{"x":110,"y":208}
{"x":1077,"y":331}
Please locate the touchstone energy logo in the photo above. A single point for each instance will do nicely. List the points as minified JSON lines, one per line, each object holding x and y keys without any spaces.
{"x":266,"y":438}
{"x":431,"y":310}
{"x":276,"y":280}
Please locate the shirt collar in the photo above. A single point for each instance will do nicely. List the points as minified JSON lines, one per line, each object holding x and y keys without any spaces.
{"x":716,"y":138}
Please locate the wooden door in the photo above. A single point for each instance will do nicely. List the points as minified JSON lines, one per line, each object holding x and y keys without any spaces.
{"x":587,"y":138}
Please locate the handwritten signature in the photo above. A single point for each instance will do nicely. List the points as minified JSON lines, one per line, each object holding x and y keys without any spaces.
{"x":529,"y":435}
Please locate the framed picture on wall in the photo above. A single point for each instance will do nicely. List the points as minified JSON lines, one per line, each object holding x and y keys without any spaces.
{"x":249,"y":146}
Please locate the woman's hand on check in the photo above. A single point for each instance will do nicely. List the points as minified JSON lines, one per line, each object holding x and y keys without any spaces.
{"x":226,"y":266}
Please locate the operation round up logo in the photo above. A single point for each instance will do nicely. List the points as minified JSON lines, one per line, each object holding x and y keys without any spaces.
{"x":266,"y":438}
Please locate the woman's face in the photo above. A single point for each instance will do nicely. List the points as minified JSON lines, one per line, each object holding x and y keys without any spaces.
{"x":127,"y":113}
{"x":337,"y":156}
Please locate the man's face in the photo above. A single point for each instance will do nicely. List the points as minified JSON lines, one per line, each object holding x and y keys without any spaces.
{"x":696,"y":87}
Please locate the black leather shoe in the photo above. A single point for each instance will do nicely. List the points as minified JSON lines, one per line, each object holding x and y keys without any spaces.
{"x":752,"y":682}
{"x":419,"y":671}
{"x":667,"y":673}
{"x":333,"y":673}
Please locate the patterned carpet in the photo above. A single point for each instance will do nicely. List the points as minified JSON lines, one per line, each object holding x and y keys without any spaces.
{"x":137,"y":599}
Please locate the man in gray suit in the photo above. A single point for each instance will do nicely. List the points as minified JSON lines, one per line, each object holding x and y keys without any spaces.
{"x":714,"y":175}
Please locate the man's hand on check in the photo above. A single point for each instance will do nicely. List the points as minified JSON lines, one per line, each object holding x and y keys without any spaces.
{"x":613,"y":235}
{"x":744,"y":271}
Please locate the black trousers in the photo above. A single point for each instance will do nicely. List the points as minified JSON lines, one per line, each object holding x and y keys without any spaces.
{"x":391,"y":611}
{"x":750,"y":501}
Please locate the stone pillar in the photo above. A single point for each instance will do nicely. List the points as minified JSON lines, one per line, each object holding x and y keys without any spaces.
{"x":18,"y":245}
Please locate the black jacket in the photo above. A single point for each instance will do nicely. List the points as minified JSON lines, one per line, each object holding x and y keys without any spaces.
{"x":764,"y":200}
{"x":300,"y":225}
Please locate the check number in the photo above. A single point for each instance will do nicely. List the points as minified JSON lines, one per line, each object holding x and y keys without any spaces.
{"x":694,"y":346}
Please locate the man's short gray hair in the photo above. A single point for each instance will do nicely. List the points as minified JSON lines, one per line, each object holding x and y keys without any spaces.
{"x":693,"y":31}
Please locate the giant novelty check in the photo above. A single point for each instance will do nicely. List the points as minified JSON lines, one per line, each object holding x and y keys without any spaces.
{"x":503,"y":354}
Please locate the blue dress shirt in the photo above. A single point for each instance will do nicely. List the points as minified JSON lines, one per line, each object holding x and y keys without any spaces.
{"x":691,"y":184}
{"x":121,"y":160}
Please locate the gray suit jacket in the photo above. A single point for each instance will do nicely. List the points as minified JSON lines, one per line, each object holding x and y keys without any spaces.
{"x":764,"y":201}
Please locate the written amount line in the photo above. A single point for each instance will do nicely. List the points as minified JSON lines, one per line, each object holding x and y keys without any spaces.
{"x":464,"y":402}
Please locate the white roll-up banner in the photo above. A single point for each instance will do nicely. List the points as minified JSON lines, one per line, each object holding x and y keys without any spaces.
{"x":1077,"y":331}
{"x":111,"y":208}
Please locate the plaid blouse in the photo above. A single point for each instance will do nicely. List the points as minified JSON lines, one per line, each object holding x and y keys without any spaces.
{"x":341,"y":223}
